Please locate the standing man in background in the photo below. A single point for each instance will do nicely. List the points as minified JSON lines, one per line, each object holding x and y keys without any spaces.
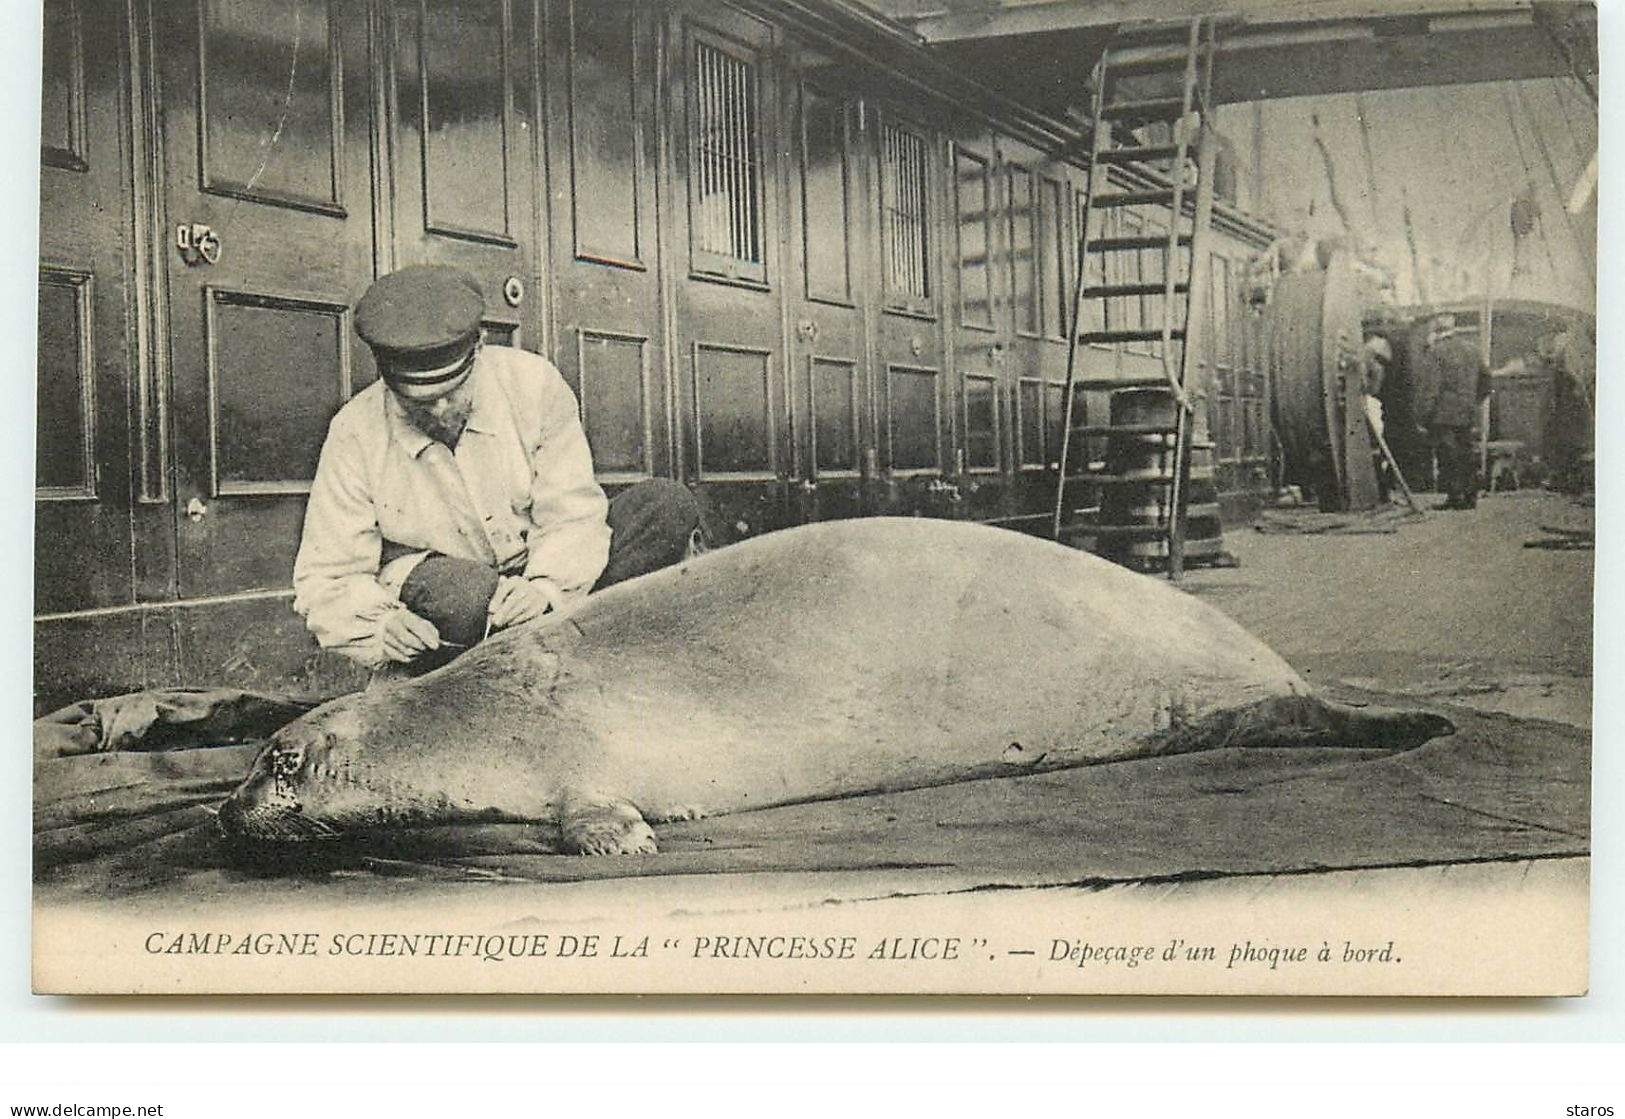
{"x":1453,"y":382}
{"x":455,"y":497}
{"x":1571,"y":358}
{"x":1377,"y":354}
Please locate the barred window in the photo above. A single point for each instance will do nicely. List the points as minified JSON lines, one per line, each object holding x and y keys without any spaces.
{"x":726,"y":170}
{"x":1153,"y":269}
{"x":1057,"y":299}
{"x":1221,"y":346}
{"x":1092,"y":312}
{"x":973,"y":202}
{"x":904,"y":240}
{"x":1024,"y":252}
{"x":1126,"y":312}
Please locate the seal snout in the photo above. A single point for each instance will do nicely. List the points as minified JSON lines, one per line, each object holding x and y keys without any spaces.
{"x":1437,"y":726}
{"x":232,"y":818}
{"x":267,"y":805}
{"x":1409,"y":729}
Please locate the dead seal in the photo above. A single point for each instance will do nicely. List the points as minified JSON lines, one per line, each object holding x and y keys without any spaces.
{"x":824,"y":661}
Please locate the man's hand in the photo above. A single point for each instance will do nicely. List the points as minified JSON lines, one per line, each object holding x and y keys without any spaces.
{"x":516,"y":600}
{"x":406,"y":636}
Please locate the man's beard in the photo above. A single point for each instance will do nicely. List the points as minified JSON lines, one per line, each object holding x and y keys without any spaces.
{"x":445,"y":427}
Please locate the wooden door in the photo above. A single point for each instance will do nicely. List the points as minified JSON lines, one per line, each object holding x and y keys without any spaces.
{"x":981,"y":325}
{"x":913,"y":410}
{"x":463,"y":151}
{"x":268,"y":153}
{"x":602,"y":137}
{"x":83,"y":494}
{"x":829,"y":374}
{"x":727,"y":204}
{"x":1039,"y":247}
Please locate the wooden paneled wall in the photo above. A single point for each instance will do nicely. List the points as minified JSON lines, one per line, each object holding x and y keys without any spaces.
{"x":799,"y":281}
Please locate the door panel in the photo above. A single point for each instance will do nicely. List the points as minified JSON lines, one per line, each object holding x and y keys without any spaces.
{"x":464,"y":158}
{"x":612,"y":372}
{"x":1039,"y":243}
{"x":271,"y":103}
{"x":829,"y":374}
{"x":82,"y":538}
{"x":907,"y":196}
{"x":981,"y":328}
{"x":256,"y":451}
{"x":606,"y":300}
{"x":835,"y":393}
{"x":267,"y":146}
{"x":730,"y":313}
{"x":733,"y":401}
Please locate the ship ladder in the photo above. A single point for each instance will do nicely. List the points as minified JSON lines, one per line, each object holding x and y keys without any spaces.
{"x":1152,"y":148}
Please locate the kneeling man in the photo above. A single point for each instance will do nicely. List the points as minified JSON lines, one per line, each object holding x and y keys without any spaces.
{"x":455,"y":497}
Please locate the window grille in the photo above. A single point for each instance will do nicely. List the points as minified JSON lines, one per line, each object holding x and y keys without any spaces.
{"x":1057,"y":298}
{"x":973,"y":202}
{"x":1154,"y":265}
{"x":726,"y":222}
{"x":903,"y":201}
{"x":1024,"y":254}
{"x":1127,"y":312}
{"x":1092,"y":312}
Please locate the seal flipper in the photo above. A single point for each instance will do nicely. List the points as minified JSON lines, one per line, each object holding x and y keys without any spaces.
{"x":590,"y":824}
{"x":1301,"y":720}
{"x":1388,"y":727}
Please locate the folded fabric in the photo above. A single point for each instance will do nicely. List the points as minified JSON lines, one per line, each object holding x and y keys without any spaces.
{"x":164,"y":719}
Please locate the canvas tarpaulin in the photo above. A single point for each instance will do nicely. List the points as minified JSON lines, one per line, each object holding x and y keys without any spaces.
{"x":129,"y":823}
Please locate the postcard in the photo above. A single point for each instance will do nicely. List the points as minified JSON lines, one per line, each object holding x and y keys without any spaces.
{"x":834,"y":496}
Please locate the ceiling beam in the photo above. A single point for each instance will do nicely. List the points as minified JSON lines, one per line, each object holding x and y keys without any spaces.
{"x":1274,"y":59}
{"x":1261,"y":71}
{"x":989,"y":19}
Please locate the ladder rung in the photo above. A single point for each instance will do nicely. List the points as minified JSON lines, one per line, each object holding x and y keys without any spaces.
{"x":1199,"y":511}
{"x":1160,"y":475}
{"x":1149,"y":56}
{"x":1091,"y":337}
{"x":1109,"y":384}
{"x":1159,"y":485}
{"x":1122,"y":157}
{"x":1162,"y":196}
{"x":1126,"y":429}
{"x":1142,"y":532}
{"x":1205,"y":511}
{"x":1152,"y":108}
{"x":1107,"y":291}
{"x":1161,"y":481}
{"x":1122,"y":244}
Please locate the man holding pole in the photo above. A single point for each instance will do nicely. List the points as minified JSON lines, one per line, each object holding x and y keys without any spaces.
{"x":1454,"y":380}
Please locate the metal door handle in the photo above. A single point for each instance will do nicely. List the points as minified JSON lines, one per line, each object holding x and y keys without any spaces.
{"x":198,"y":243}
{"x":196,"y":510}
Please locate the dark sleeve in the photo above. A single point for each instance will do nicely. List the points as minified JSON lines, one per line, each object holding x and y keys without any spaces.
{"x":1425,"y":386}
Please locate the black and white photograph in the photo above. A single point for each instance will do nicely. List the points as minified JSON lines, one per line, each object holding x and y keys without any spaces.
{"x":718,"y":497}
